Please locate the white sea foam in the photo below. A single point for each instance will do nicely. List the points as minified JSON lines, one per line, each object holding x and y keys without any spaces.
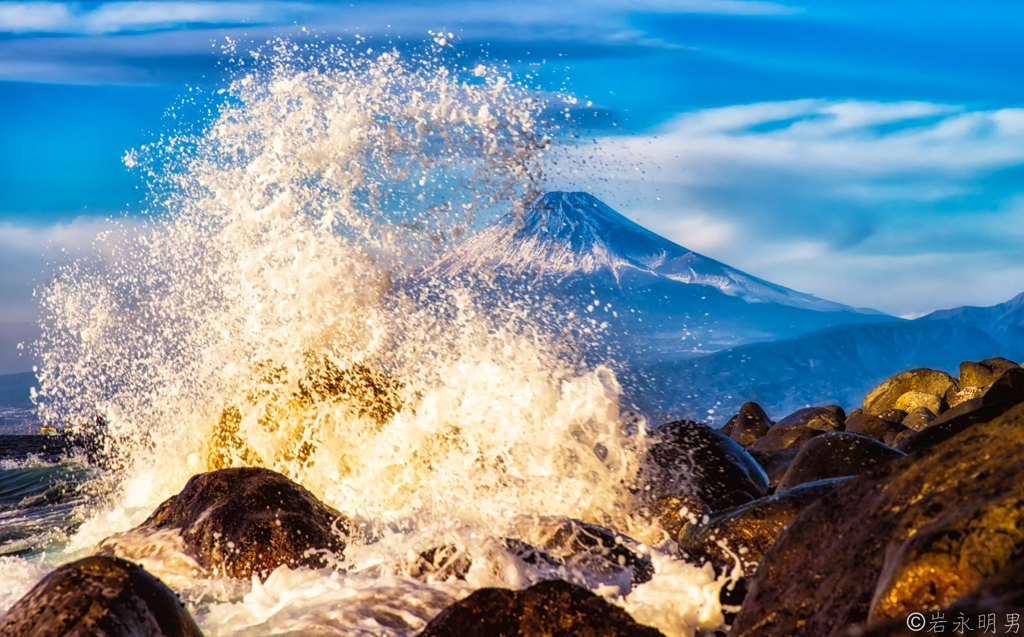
{"x":289,"y":233}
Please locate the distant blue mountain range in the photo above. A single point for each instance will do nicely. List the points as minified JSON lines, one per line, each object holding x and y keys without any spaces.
{"x":695,"y":337}
{"x":662,"y":301}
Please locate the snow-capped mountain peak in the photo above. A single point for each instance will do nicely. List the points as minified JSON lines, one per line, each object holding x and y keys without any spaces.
{"x":571,"y":233}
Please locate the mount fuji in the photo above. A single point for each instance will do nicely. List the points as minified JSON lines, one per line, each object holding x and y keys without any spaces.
{"x":660,"y":301}
{"x":696,"y":338}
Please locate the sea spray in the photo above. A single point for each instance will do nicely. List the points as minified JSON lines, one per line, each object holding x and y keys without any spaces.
{"x":275,"y":296}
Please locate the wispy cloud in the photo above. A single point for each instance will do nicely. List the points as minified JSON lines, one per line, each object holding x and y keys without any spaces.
{"x":862,"y":202}
{"x":116,"y":17}
{"x":28,"y":255}
{"x":594,"y":24}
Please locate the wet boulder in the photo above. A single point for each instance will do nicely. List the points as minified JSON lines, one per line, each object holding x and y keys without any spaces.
{"x":919,"y":419}
{"x":984,"y":373}
{"x":792,"y":439}
{"x":776,"y":465}
{"x":686,"y":457}
{"x":99,"y":596}
{"x":838,"y":411}
{"x":240,"y":522}
{"x":894,"y":415}
{"x":889,"y":392}
{"x":911,"y":535}
{"x":749,"y":424}
{"x":746,"y":532}
{"x":612,"y":558}
{"x":913,"y":400}
{"x":1009,"y":386}
{"x":953,"y":422}
{"x":547,"y":609}
{"x":671,"y":513}
{"x":870,"y":426}
{"x":820,"y":418}
{"x":993,"y":607}
{"x":836,"y":455}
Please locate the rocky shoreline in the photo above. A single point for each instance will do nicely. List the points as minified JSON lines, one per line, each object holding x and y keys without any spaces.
{"x":832,"y":524}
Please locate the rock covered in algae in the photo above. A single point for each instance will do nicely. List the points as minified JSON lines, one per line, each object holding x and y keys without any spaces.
{"x":547,"y":609}
{"x":102,"y":596}
{"x":913,"y":535}
{"x":243,"y":521}
{"x":835,"y":455}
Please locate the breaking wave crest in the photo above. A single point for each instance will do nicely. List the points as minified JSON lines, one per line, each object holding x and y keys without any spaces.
{"x":271,"y":310}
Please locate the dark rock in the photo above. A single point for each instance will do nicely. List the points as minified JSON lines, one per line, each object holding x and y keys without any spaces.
{"x":442,"y":563}
{"x":988,"y":608}
{"x":673,"y":512}
{"x":791,"y":439}
{"x":885,"y":395}
{"x":749,"y":424}
{"x":895,"y":416}
{"x":685,"y":457}
{"x":99,"y":596}
{"x":818,"y":418}
{"x":870,"y":426}
{"x":547,"y":609}
{"x":1009,"y":386}
{"x":838,"y":411}
{"x":911,"y":535}
{"x":919,"y":419}
{"x":943,"y":429}
{"x":836,"y":455}
{"x":959,"y":409}
{"x":612,"y":556}
{"x":243,"y":521}
{"x":897,"y":437}
{"x":984,"y":372}
{"x":777,"y":464}
{"x":747,"y":532}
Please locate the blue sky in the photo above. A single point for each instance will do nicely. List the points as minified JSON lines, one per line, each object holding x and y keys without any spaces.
{"x":868,"y":152}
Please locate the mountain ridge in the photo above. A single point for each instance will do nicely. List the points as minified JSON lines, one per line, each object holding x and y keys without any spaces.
{"x":564,"y":233}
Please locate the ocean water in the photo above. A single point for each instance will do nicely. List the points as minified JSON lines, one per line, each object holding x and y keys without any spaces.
{"x":284,"y":248}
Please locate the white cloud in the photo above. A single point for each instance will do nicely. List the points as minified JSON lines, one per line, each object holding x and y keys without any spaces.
{"x":115,"y":17}
{"x":601,"y":16}
{"x":896,"y":206}
{"x":28,"y":257}
{"x":850,"y":136}
{"x":22,"y":17}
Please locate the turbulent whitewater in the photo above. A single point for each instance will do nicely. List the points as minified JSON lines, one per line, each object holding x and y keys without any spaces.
{"x":289,"y":237}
